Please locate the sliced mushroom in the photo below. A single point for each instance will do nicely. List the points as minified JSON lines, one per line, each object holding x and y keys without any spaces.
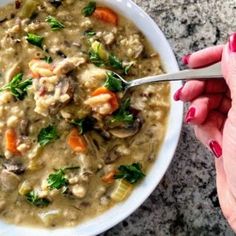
{"x":9,"y":181}
{"x":125,"y":131}
{"x":14,"y":166}
{"x":24,"y":127}
{"x":16,"y":68}
{"x":112,"y":155}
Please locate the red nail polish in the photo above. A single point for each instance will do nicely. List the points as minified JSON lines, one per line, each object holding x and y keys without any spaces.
{"x":177,"y":94}
{"x":185,"y":59}
{"x":216,"y":148}
{"x":190,"y":115}
{"x":232,"y":42}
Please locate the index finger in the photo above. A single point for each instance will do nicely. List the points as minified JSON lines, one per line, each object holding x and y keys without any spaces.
{"x":205,"y":57}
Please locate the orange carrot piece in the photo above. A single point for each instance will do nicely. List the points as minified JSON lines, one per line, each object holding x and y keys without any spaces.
{"x":107,"y":15}
{"x":113,"y":101}
{"x":11,"y":141}
{"x":76,"y":142}
{"x":109,"y":177}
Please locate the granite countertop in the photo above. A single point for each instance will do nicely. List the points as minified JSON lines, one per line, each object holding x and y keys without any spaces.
{"x":185,"y":202}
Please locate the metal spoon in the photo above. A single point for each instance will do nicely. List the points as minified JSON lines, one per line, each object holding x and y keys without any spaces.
{"x":206,"y":73}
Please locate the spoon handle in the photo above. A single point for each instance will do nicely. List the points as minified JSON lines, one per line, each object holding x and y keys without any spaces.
{"x":210,"y":72}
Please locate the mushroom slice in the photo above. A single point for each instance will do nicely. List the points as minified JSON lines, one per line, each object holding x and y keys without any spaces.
{"x":126,"y":131}
{"x":9,"y":181}
{"x":14,"y":166}
{"x":112,"y":155}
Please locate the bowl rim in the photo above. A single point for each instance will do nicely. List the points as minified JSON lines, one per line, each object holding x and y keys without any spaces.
{"x":121,"y":211}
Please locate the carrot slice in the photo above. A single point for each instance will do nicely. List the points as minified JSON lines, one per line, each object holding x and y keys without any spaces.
{"x":76,"y":142}
{"x":113,"y":101}
{"x":109,"y":177}
{"x":11,"y":141}
{"x":107,"y":15}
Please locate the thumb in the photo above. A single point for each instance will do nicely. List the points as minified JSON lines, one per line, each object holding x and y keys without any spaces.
{"x":229,"y":66}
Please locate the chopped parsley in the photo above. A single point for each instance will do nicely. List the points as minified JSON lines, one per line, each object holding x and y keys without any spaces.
{"x":84,"y":125}
{"x":18,"y":87}
{"x":57,"y":179}
{"x":131,"y":173}
{"x":35,"y":200}
{"x":95,"y":58}
{"x":89,"y":9}
{"x":54,"y":23}
{"x":89,"y":33}
{"x":123,"y":115}
{"x":35,"y":40}
{"x":47,"y":135}
{"x":113,"y":82}
{"x":48,"y":59}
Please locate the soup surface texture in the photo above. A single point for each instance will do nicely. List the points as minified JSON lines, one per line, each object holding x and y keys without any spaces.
{"x":73,"y":143}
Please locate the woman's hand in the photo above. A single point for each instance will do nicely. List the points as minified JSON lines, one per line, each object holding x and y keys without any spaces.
{"x":212,"y":113}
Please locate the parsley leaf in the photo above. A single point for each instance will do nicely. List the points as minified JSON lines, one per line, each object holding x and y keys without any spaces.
{"x":123,"y":114}
{"x":115,"y":62}
{"x":35,"y":40}
{"x":54,"y":23}
{"x":131,"y":173}
{"x":89,"y":33}
{"x":57,"y":179}
{"x":35,"y":200}
{"x":84,"y":125}
{"x":89,"y":9}
{"x":96,"y":59}
{"x":17,"y":87}
{"x":113,"y":82}
{"x":47,"y":135}
{"x":48,"y":59}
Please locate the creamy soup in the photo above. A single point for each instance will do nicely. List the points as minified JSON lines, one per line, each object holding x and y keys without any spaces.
{"x":73,"y":143}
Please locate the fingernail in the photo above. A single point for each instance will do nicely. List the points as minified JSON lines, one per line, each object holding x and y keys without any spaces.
{"x":216,"y":148}
{"x":178,"y":94}
{"x":232,"y":42}
{"x":185,"y":59}
{"x":190,"y":115}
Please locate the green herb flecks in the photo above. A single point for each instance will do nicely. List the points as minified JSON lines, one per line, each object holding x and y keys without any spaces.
{"x":35,"y":40}
{"x":131,"y":173}
{"x":57,"y":180}
{"x":35,"y":200}
{"x":54,"y":23}
{"x":84,"y":125}
{"x":47,"y":135}
{"x":89,"y":9}
{"x":96,"y":59}
{"x":89,"y":33}
{"x":17,"y":87}
{"x":123,"y":115}
{"x":113,"y":82}
{"x":48,"y":59}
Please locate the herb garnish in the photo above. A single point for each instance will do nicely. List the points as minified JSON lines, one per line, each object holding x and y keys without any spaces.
{"x":112,"y":61}
{"x":54,"y":23}
{"x":123,"y":114}
{"x":89,"y":9}
{"x":131,"y":173}
{"x":89,"y":33}
{"x":113,"y":82}
{"x":84,"y":125}
{"x":58,"y":180}
{"x":17,"y":87}
{"x":47,"y":135}
{"x":96,"y":59}
{"x":35,"y":40}
{"x":48,"y":59}
{"x":35,"y":200}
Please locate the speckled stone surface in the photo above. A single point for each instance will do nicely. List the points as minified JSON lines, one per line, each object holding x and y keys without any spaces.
{"x":185,"y":202}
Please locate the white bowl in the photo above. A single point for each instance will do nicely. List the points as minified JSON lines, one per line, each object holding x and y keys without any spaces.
{"x":120,"y":211}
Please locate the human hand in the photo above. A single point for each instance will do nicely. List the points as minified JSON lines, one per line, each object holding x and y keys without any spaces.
{"x":212,"y":113}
